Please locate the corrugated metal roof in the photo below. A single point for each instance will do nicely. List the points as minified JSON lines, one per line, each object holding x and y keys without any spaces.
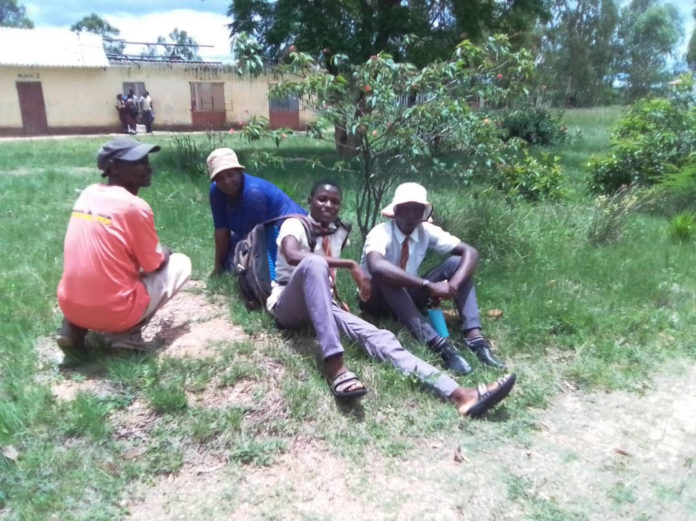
{"x":51,"y":47}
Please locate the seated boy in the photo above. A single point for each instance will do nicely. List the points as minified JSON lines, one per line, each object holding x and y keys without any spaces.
{"x":393,"y":253}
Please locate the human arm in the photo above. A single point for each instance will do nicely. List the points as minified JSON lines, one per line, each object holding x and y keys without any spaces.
{"x":467,"y":265}
{"x":222,"y":247}
{"x":167,"y":252}
{"x":294,"y":254}
{"x":142,"y":238}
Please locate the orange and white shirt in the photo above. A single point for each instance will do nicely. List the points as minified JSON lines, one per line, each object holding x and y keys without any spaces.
{"x":111,"y":237}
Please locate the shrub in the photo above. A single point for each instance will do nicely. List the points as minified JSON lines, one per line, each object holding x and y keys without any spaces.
{"x":682,"y":227}
{"x":533,"y":178}
{"x":676,"y":193}
{"x":536,"y":125}
{"x":654,"y":139}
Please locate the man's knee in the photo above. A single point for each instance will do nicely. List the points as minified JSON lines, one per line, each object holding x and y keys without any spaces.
{"x":181,"y":264}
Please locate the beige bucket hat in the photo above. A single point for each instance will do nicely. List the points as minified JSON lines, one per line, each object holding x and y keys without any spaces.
{"x":222,"y":159}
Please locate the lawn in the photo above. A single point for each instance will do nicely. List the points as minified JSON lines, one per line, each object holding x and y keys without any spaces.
{"x":577,"y":319}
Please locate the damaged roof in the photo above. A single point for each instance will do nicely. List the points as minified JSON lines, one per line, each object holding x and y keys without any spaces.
{"x":51,"y":47}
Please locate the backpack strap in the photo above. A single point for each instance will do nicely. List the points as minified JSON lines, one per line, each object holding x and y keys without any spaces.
{"x":311,"y":234}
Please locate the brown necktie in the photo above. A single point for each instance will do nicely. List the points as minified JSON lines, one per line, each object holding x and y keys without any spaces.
{"x":404,"y":254}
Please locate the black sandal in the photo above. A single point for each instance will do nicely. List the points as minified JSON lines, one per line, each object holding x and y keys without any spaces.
{"x":344,"y":381}
{"x":489,"y":399}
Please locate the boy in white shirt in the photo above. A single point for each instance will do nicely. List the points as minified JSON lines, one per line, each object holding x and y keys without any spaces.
{"x":393,"y":253}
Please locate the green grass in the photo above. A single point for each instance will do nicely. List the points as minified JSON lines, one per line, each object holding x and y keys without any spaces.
{"x":601,"y":317}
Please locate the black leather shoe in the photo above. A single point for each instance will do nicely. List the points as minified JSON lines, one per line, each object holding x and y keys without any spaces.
{"x":453,"y":359}
{"x":482,"y":350}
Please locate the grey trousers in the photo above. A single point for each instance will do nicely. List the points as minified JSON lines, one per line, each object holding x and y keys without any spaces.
{"x":405,"y":303}
{"x":307,"y":299}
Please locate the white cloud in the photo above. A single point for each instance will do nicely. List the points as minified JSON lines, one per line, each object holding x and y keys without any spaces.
{"x":204,"y":27}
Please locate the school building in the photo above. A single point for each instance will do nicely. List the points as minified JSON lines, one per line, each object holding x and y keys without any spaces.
{"x":55,"y":81}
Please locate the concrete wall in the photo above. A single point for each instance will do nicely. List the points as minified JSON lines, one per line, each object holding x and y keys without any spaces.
{"x":83,"y":100}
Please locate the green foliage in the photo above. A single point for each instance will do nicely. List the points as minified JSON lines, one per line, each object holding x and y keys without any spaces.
{"x":392,"y":118}
{"x":93,"y":23}
{"x":418,"y":32}
{"x":676,"y":192}
{"x":534,"y":178}
{"x":654,"y":139}
{"x":13,"y":14}
{"x":535,"y":125}
{"x":580,"y":52}
{"x":682,"y":227}
{"x":650,"y":32}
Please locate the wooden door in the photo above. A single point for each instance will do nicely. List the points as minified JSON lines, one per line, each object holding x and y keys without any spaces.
{"x":32,"y":107}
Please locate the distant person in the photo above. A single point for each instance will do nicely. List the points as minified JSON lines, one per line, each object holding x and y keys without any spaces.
{"x":238,"y":202}
{"x":121,"y":109}
{"x":393,"y":253}
{"x":116,"y":273}
{"x":148,"y":111}
{"x":304,"y":292}
{"x":131,"y":112}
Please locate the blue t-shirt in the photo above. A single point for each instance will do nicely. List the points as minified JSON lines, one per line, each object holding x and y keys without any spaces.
{"x":260,"y":200}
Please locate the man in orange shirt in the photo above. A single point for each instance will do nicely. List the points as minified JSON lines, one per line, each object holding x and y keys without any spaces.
{"x":116,"y":274}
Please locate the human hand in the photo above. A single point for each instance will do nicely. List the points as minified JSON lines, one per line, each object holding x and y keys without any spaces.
{"x":363,"y":282}
{"x":441,"y":290}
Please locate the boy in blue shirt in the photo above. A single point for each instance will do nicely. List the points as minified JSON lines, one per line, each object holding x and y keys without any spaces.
{"x":238,"y":202}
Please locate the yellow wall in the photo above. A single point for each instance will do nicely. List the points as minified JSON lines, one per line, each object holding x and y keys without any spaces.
{"x":85,"y":98}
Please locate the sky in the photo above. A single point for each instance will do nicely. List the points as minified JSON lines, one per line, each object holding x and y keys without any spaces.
{"x":204,"y":20}
{"x":144,"y":20}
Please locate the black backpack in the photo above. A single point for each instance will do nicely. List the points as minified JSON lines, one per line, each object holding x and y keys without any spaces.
{"x":255,"y":256}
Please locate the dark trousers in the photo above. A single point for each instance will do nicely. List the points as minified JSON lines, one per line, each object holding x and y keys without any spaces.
{"x":405,"y":304}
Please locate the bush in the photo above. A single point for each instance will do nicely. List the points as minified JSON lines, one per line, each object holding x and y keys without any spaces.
{"x":653,"y":140}
{"x":682,"y":227}
{"x":676,"y":193}
{"x":532,"y":179}
{"x":537,"y":126}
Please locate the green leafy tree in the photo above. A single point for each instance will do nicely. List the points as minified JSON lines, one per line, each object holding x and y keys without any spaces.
{"x":359,"y":29}
{"x":691,"y":49}
{"x":12,"y":14}
{"x":650,"y":33}
{"x":179,"y":46}
{"x":187,"y":46}
{"x":578,"y":51}
{"x":393,"y":119}
{"x":97,"y":25}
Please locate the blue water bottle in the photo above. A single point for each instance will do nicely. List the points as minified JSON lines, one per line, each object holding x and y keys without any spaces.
{"x":437,"y":319}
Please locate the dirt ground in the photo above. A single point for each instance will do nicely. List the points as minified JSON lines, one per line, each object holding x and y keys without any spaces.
{"x":593,"y":456}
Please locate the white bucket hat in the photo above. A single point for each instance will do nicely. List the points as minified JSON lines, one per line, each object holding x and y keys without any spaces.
{"x":409,"y":193}
{"x":221,"y":159}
